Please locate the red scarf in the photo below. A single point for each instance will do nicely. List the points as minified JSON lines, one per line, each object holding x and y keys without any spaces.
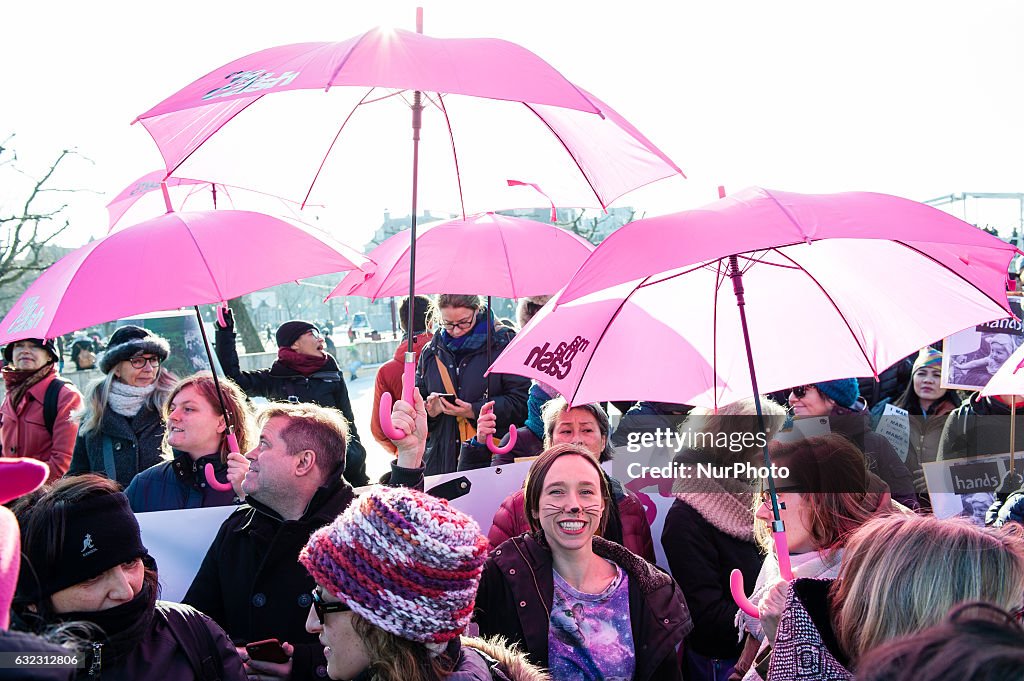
{"x":18,"y":382}
{"x":304,"y":364}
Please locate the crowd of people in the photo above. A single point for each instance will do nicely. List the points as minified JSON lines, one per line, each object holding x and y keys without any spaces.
{"x":307,"y":578}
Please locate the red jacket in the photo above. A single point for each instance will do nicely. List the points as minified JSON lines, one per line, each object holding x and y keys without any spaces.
{"x":510,"y":521}
{"x":389,"y":380}
{"x":23,"y":431}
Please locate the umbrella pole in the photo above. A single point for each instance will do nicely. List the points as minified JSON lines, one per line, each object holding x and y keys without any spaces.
{"x":1013,"y":434}
{"x":232,"y":441}
{"x":778,"y":527}
{"x":489,"y":322}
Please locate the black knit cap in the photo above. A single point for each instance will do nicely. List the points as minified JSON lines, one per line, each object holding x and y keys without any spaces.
{"x":128,"y":341}
{"x":98,"y":532}
{"x":291,"y":331}
{"x":50,"y":345}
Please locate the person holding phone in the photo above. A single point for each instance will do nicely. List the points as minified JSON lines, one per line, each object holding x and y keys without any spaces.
{"x":453,"y":364}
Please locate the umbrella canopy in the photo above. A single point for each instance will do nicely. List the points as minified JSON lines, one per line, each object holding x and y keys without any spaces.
{"x":174,"y":260}
{"x":496,"y":255}
{"x":832,"y":290}
{"x":142,"y":199}
{"x":285,"y":119}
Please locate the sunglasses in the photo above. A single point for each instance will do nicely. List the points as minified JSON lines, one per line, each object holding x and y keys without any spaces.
{"x":322,"y":607}
{"x":801,"y":390}
{"x":139,"y":362}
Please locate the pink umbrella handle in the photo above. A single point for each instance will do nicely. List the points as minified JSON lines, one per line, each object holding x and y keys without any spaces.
{"x":221,"y":321}
{"x":386,"y":401}
{"x":495,"y":449}
{"x":211,"y":479}
{"x":782,"y":552}
{"x":736,"y":587}
{"x":785,"y":569}
{"x":216,"y":484}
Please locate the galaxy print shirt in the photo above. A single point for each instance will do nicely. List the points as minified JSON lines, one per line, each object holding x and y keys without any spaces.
{"x":590,"y":636}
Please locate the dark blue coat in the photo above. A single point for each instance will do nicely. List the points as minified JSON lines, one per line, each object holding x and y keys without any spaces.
{"x":177,"y":484}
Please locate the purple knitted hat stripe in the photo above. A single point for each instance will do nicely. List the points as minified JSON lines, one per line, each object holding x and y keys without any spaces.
{"x":405,"y":561}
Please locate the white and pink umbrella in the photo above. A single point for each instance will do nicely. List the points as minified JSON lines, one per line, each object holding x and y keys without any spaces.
{"x":307,"y":118}
{"x":804,"y":287}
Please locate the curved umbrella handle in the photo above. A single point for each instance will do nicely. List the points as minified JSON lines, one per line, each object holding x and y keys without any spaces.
{"x":495,"y":449}
{"x":785,"y":569}
{"x":386,"y":401}
{"x":211,"y":479}
{"x":736,"y":587}
{"x":221,"y":320}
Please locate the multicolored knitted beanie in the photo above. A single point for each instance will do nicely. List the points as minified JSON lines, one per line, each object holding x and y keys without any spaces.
{"x":405,"y":561}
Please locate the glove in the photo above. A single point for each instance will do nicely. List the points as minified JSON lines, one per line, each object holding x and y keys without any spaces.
{"x":228,"y":317}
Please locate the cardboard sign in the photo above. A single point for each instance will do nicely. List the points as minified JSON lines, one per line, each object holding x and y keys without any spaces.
{"x":966,"y":487}
{"x":972,"y":356}
{"x":895,"y":427}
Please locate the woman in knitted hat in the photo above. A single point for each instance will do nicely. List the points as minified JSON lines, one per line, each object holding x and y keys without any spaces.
{"x":396,"y":577}
{"x":928,"y":405}
{"x":196,"y":436}
{"x":582,"y":606}
{"x":841,"y":402}
{"x":827,"y":496}
{"x":121,"y":427}
{"x":85,"y":572}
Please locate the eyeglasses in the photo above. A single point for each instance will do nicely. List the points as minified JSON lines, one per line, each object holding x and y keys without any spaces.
{"x":315,"y":333}
{"x":322,"y":607}
{"x":461,"y":326}
{"x":139,"y":362}
{"x":801,"y":390}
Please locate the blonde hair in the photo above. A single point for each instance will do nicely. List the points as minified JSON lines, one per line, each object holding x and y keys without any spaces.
{"x":903,"y":573}
{"x":736,"y":417}
{"x":97,"y":394}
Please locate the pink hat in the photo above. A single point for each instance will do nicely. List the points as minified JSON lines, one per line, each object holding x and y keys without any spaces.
{"x":17,"y":477}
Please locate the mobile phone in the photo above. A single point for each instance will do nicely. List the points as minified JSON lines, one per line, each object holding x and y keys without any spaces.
{"x":448,"y":397}
{"x":267,"y":651}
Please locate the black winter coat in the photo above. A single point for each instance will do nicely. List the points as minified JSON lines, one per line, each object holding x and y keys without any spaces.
{"x":979,"y":427}
{"x":518,"y":578}
{"x":177,"y":484}
{"x":280,"y":382}
{"x":251,"y":581}
{"x":135,"y":444}
{"x":24,"y":643}
{"x":509,"y":393}
{"x":701,"y":558}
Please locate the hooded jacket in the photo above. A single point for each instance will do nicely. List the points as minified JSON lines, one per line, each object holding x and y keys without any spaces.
{"x":518,"y":578}
{"x":177,"y":484}
{"x":467,"y":375}
{"x":280,"y":382}
{"x":979,"y":426}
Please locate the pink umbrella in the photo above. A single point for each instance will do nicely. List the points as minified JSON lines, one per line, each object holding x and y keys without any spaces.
{"x":497,"y":255}
{"x":835,"y":274}
{"x":543,"y":128}
{"x":187,"y":195}
{"x":175,"y":260}
{"x":494,"y":254}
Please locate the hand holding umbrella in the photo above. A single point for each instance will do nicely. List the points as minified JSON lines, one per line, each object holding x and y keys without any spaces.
{"x":408,"y":420}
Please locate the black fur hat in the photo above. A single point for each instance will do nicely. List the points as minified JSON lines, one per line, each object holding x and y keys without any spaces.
{"x":48,"y":344}
{"x":129,"y":341}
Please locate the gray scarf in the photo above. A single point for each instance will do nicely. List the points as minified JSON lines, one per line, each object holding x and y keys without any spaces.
{"x":126,"y":399}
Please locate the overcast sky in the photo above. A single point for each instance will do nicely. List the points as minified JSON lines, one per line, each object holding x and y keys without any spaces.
{"x":918,"y":99}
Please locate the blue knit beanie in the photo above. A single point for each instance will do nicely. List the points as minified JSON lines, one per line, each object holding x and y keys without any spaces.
{"x":843,"y":391}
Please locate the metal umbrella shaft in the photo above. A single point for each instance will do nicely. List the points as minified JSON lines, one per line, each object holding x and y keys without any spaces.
{"x":228,"y":423}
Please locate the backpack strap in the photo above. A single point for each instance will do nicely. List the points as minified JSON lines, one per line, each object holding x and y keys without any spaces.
{"x":50,"y":402}
{"x":195,"y":640}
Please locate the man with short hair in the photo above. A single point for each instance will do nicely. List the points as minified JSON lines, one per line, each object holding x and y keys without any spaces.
{"x":250,"y":581}
{"x":303,"y":372}
{"x":35,"y":417}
